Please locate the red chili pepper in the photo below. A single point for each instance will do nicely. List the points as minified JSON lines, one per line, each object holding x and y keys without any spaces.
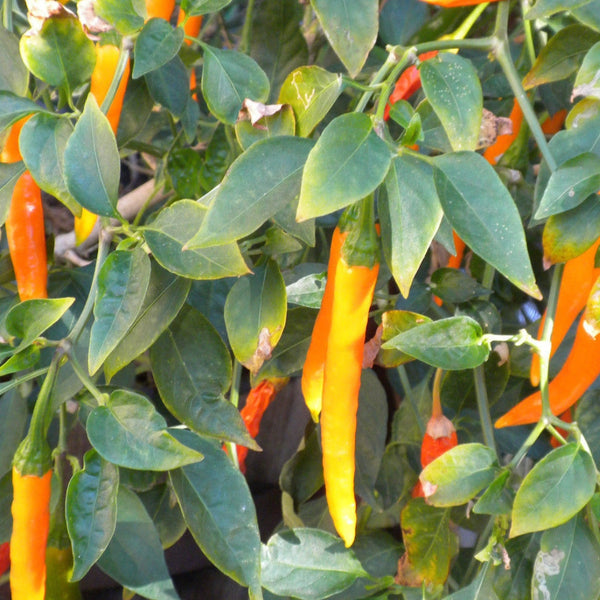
{"x":4,"y":557}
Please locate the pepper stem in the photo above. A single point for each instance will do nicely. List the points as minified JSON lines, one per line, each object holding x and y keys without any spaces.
{"x":361,"y":246}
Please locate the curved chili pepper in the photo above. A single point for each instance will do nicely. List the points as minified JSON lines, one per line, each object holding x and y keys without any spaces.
{"x":25,"y":230}
{"x":314,"y":364}
{"x":578,"y":278}
{"x":258,"y":400}
{"x":31,"y":522}
{"x":554,"y":123}
{"x":160,"y":8}
{"x":107,"y":59}
{"x":353,"y":288}
{"x":580,"y":370}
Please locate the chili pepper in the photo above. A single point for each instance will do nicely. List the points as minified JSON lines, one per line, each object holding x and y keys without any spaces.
{"x":312,"y":373}
{"x":191,"y":28}
{"x":503,"y":142}
{"x":554,"y":124}
{"x":580,"y":370}
{"x":160,"y":8}
{"x":4,"y":557}
{"x":576,"y":283}
{"x":408,"y":83}
{"x":440,"y":434}
{"x":353,"y":287}
{"x":257,"y":402}
{"x":31,"y":477}
{"x":25,"y":230}
{"x":107,"y":59}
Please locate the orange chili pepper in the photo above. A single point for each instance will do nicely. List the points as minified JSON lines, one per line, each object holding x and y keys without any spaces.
{"x":314,"y":365}
{"x":25,"y":230}
{"x":353,"y":289}
{"x":503,"y":142}
{"x":578,"y":278}
{"x":258,"y":400}
{"x":554,"y":123}
{"x":31,"y":522}
{"x":580,"y":370}
{"x":160,"y":8}
{"x":191,"y":28}
{"x":107,"y":59}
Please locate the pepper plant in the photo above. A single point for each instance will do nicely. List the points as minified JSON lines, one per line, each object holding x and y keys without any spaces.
{"x":377,"y":198}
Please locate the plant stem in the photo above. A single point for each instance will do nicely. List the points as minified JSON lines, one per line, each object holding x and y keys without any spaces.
{"x":103,"y":247}
{"x":7,"y":20}
{"x":86,"y":380}
{"x":484,"y":409}
{"x":377,"y":78}
{"x":247,"y":29}
{"x":116,"y":80}
{"x":546,"y":337}
{"x":531,"y":439}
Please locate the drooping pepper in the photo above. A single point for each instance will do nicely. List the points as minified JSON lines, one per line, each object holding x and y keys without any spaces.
{"x":258,"y":400}
{"x":353,"y":288}
{"x":191,"y":27}
{"x":107,"y":60}
{"x":578,"y":278}
{"x":314,"y":365}
{"x":31,"y":477}
{"x":440,"y":434}
{"x":580,"y":370}
{"x":25,"y":230}
{"x":160,"y":8}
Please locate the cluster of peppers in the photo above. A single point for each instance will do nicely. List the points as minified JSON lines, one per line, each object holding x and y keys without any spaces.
{"x":333,"y":366}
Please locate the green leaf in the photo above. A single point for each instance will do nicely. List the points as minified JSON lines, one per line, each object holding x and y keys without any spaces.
{"x":59,"y":53}
{"x":484,"y":215}
{"x":561,"y":56}
{"x":452,"y":87}
{"x":546,"y":8}
{"x":228,"y":77}
{"x":134,"y":558}
{"x":14,"y":76}
{"x":121,"y":13}
{"x":351,"y":27}
{"x":42,"y":143}
{"x":9,"y":175}
{"x":13,"y":108}
{"x":371,"y":429}
{"x":555,"y":490}
{"x":219,"y":511}
{"x":308,"y":564}
{"x":202,"y":7}
{"x":122,"y":286}
{"x":128,"y":432}
{"x":169,"y":86}
{"x":455,"y":286}
{"x":395,"y":322}
{"x":588,"y":14}
{"x":311,"y":92}
{"x":429,"y":540}
{"x":568,"y":563}
{"x":155,"y":46}
{"x":164,"y":298}
{"x":29,"y":319}
{"x":410,"y":214}
{"x":168,"y":237}
{"x":192,"y":369}
{"x":20,"y":361}
{"x":92,"y":164}
{"x":587,"y":416}
{"x":288,"y":356}
{"x":165,"y":513}
{"x":452,"y":343}
{"x":459,"y":474}
{"x":586,"y":83}
{"x":255,"y":314}
{"x":569,"y":234}
{"x":13,"y":418}
{"x":307,"y":290}
{"x":277,"y":43}
{"x":346,"y":164}
{"x":570,"y":184}
{"x":260,"y":183}
{"x":498,"y":498}
{"x":91,"y":511}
